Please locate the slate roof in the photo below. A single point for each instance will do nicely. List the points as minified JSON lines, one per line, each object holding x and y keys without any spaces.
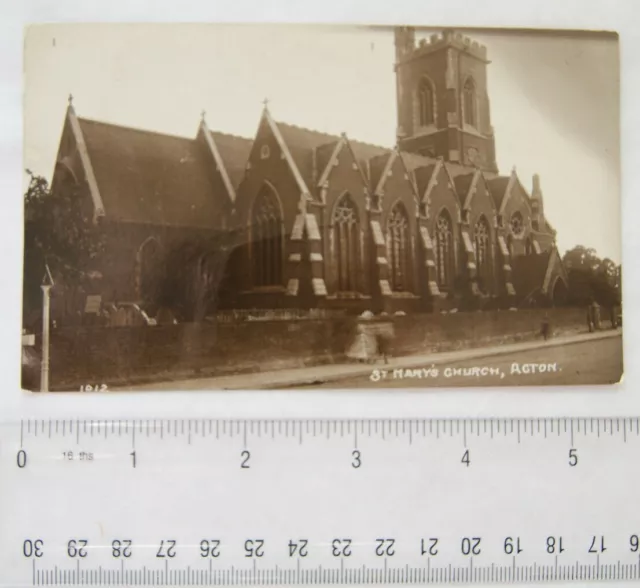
{"x":528,"y":272}
{"x":152,"y":178}
{"x":302,"y":142}
{"x":423,"y":177}
{"x":463,"y":183}
{"x":235,"y":152}
{"x":498,"y":189}
{"x":415,"y":161}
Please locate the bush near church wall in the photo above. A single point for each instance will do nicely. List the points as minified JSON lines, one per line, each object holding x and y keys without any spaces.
{"x":120,"y":355}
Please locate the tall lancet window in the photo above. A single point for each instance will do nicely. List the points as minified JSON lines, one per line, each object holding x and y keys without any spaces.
{"x":399,"y":249}
{"x":469,"y":105}
{"x":266,"y":239}
{"x":346,"y":243}
{"x":482,"y":246}
{"x":444,"y":252}
{"x":426,"y":103}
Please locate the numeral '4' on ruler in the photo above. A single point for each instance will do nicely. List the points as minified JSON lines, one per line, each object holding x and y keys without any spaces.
{"x":265,"y":502}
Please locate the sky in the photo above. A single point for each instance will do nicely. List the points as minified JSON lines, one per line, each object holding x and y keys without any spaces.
{"x":554,"y":98}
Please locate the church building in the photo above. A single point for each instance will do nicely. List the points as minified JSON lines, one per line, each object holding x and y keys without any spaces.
{"x":319,"y":221}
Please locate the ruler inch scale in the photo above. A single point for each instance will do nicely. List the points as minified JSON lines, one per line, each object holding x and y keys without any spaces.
{"x":240,"y":502}
{"x":298,"y":428}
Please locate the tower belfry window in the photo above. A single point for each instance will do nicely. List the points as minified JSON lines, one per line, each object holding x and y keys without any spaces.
{"x":469,"y":105}
{"x":426,"y":103}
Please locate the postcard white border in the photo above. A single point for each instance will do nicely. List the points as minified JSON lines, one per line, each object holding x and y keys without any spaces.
{"x":571,"y":14}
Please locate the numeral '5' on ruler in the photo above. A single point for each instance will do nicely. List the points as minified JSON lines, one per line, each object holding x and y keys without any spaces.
{"x":264,"y":502}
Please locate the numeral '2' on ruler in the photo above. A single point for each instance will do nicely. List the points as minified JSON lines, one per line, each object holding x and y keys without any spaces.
{"x":296,"y":502}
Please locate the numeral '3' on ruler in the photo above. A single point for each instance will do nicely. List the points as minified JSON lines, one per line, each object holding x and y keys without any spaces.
{"x":265,"y":502}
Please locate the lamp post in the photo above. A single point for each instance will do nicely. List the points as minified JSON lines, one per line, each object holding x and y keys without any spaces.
{"x":47,"y":284}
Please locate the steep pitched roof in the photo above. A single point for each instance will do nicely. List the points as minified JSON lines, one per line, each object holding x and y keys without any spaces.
{"x":235,"y":152}
{"x":424,"y":177}
{"x":498,"y":189}
{"x":463,"y":184}
{"x":528,"y":272}
{"x":365,"y":151}
{"x":152,"y":178}
{"x":415,"y":161}
{"x":302,"y":144}
{"x":305,"y":144}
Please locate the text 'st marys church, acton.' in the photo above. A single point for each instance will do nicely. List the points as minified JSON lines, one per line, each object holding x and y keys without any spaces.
{"x":321,"y":221}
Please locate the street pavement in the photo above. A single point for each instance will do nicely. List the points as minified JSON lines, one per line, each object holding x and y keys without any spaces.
{"x":578,"y":359}
{"x":581,"y":363}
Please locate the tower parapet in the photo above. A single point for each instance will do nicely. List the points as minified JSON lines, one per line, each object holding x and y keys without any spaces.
{"x":448,"y":38}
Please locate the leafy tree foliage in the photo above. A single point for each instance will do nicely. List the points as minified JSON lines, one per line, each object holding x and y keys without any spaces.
{"x":59,"y":232}
{"x":592,"y":278}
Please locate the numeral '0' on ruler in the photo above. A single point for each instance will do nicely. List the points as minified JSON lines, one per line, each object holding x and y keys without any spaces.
{"x":296,"y":502}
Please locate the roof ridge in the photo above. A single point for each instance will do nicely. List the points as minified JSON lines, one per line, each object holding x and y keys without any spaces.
{"x":135,"y":129}
{"x":366,"y":144}
{"x":232,"y":135}
{"x":333,"y":135}
{"x":301,"y":128}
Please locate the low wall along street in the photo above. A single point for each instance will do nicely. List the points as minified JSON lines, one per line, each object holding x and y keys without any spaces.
{"x":99,"y":356}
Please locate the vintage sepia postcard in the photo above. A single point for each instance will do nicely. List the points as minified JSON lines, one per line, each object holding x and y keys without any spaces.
{"x":286,"y":206}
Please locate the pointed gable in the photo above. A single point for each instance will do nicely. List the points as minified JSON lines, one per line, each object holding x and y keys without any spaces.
{"x":326,"y":158}
{"x":229,"y":155}
{"x":73,"y":142}
{"x":499,"y":187}
{"x":303,"y":145}
{"x":463,"y":184}
{"x":532,"y":273}
{"x":234,"y":152}
{"x":151,"y":178}
{"x":425,"y":179}
{"x":378,"y":166}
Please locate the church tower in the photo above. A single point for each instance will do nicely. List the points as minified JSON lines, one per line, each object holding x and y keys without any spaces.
{"x":443,"y":104}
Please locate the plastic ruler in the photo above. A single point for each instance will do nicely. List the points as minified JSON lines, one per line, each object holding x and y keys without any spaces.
{"x":296,"y":502}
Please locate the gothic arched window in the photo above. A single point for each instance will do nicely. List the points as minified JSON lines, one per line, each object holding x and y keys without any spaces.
{"x":266,"y":239}
{"x":399,"y":249}
{"x":444,"y":251}
{"x":469,"y":106}
{"x":483,"y":250}
{"x":345,"y":225}
{"x":426,"y":103}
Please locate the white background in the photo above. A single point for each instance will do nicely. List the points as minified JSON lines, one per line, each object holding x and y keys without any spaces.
{"x":611,"y":15}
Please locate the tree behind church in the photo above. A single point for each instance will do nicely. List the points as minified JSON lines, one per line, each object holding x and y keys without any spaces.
{"x":59,"y":231}
{"x":592,"y":278}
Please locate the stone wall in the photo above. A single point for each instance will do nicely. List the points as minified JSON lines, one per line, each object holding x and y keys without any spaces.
{"x":120,"y":355}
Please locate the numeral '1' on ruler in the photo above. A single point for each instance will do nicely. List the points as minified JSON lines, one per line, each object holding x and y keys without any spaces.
{"x":296,"y":502}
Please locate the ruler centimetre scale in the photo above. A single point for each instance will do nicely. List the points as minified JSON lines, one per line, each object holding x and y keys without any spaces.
{"x":296,"y":502}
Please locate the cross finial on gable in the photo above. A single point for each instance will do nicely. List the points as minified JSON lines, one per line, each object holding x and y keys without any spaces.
{"x":70,"y":99}
{"x":203,"y":114}
{"x":265,"y":102}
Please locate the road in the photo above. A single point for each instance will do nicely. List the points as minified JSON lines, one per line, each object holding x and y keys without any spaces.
{"x":591,"y":362}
